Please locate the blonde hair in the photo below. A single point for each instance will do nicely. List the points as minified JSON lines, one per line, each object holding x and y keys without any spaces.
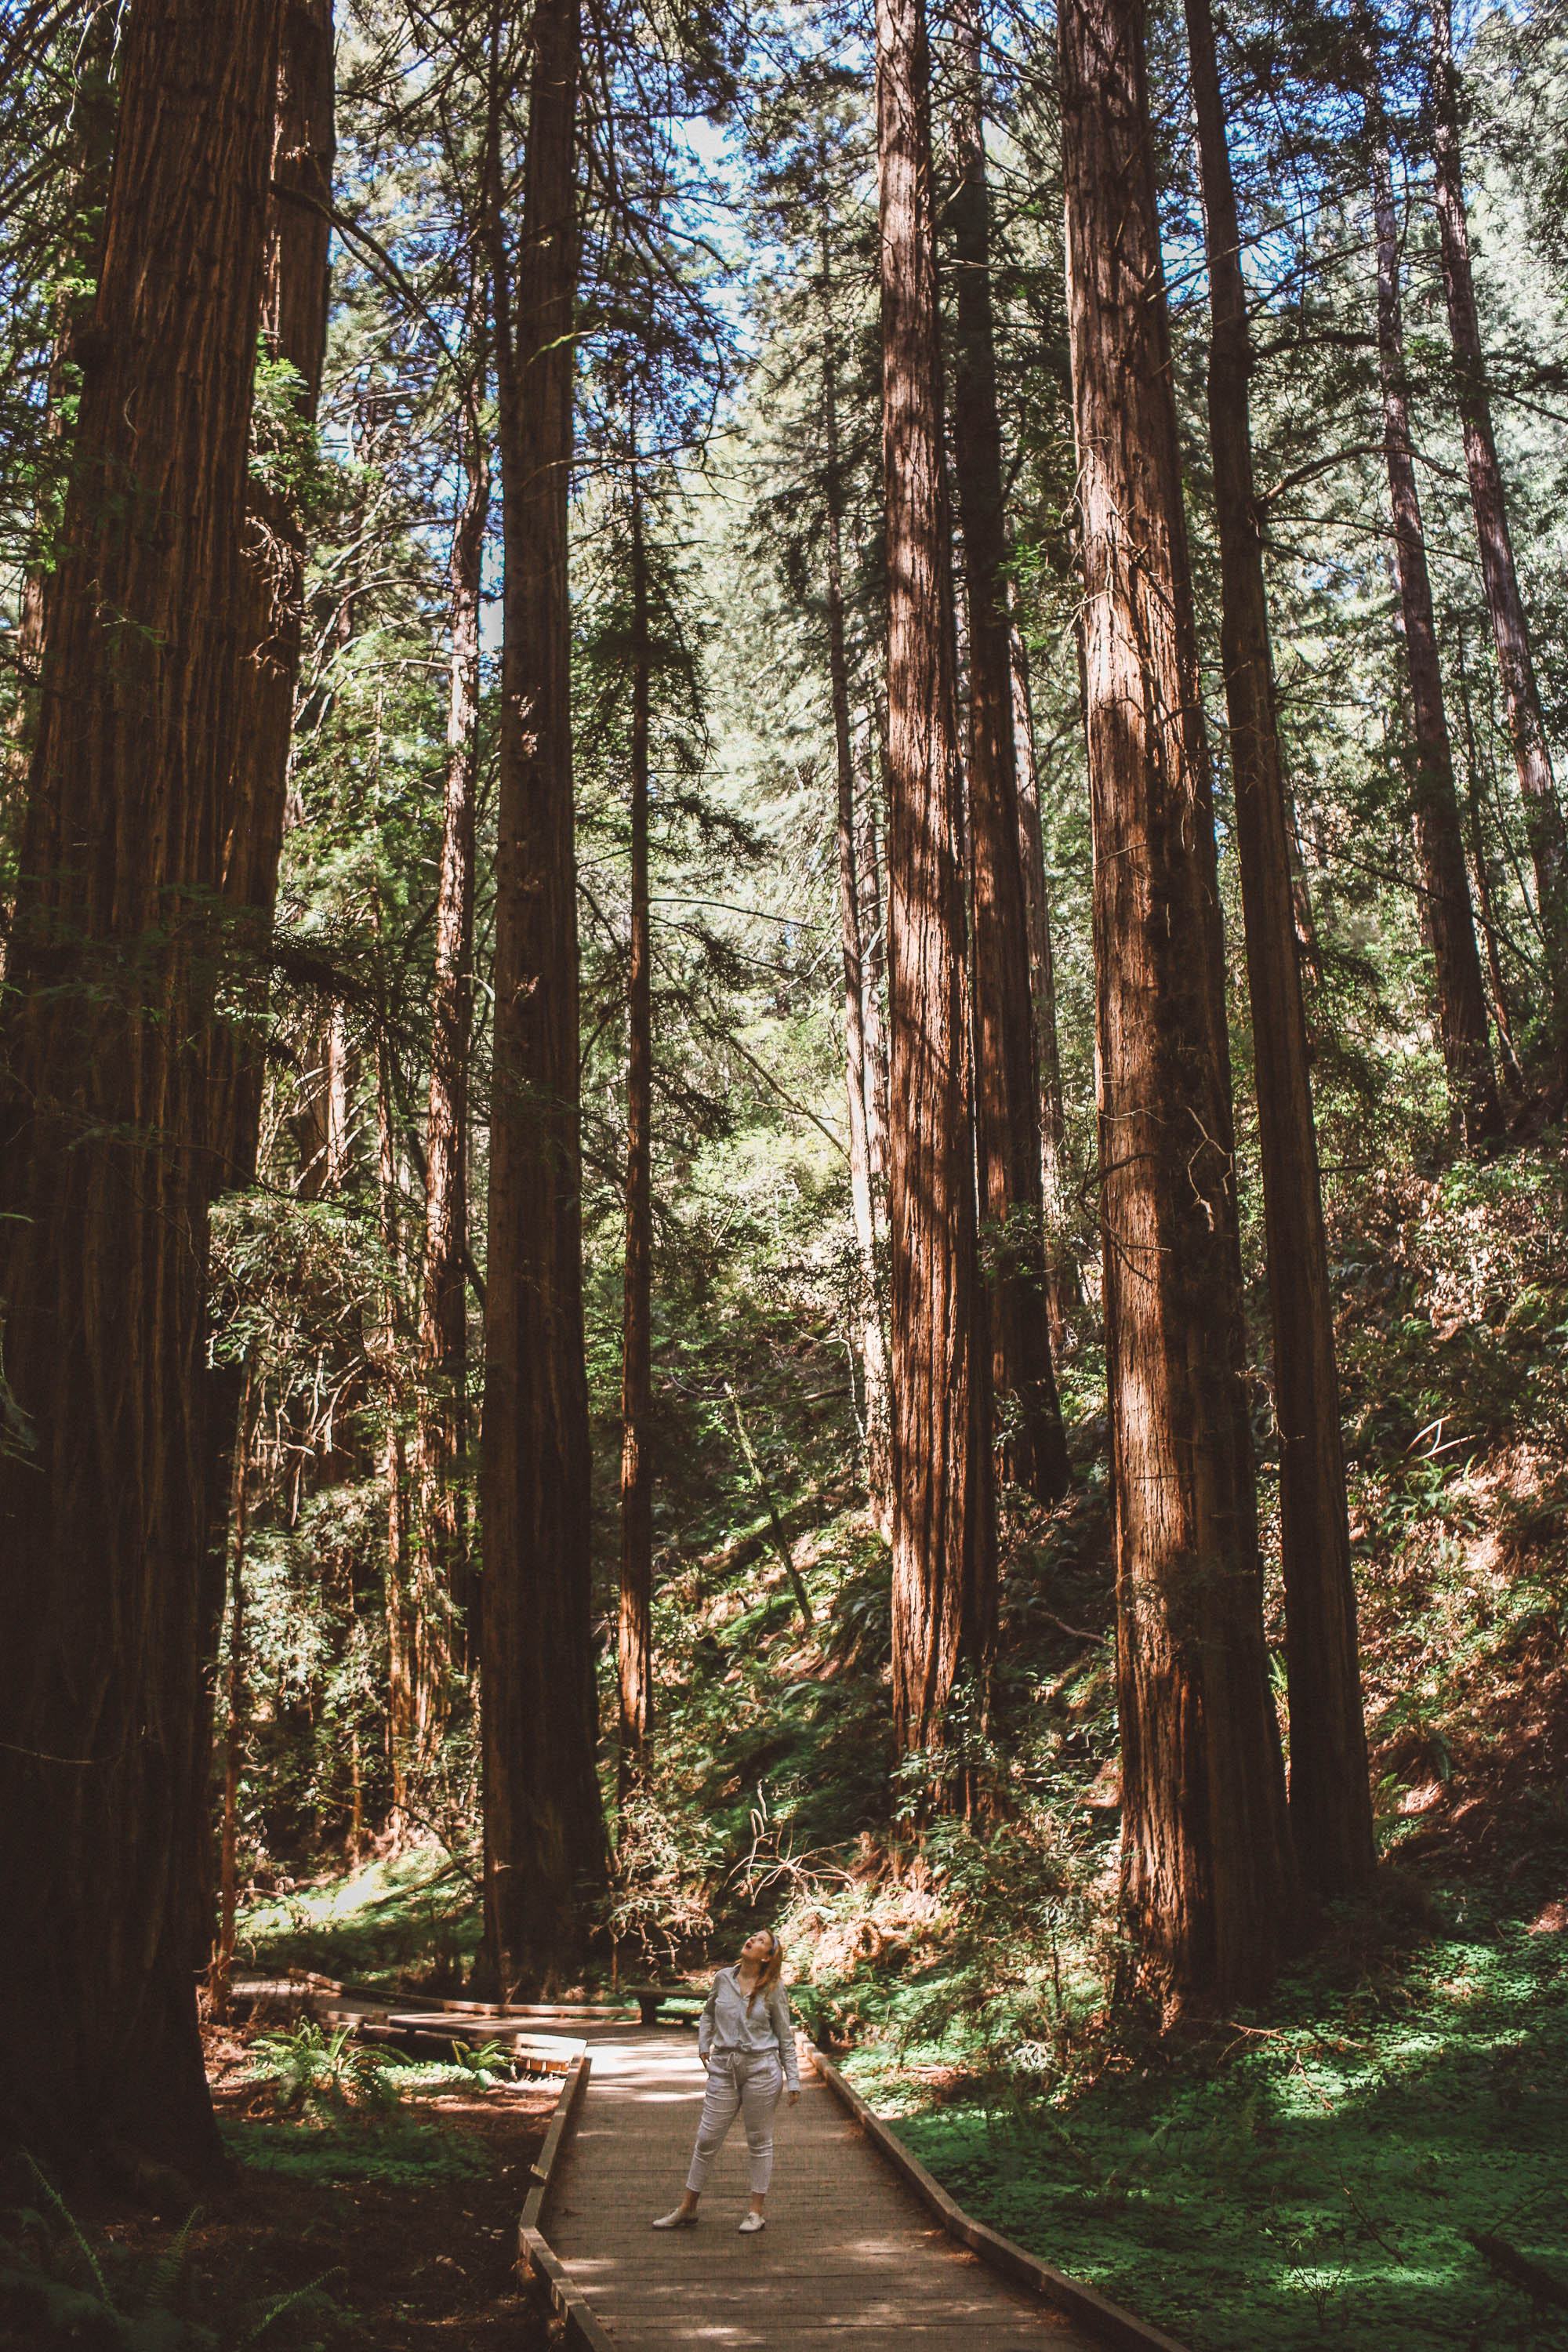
{"x":769,"y":1975}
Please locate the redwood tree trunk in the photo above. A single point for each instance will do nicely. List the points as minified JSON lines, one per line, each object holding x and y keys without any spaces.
{"x":636,"y":1626}
{"x":543,"y":1820}
{"x":1330,"y":1798}
{"x":1511,"y":632}
{"x":1032,"y":1450}
{"x":1474,"y":1109}
{"x":106,"y":1127}
{"x":1209,"y":1877}
{"x":1064,"y":1292}
{"x":443,"y":1599}
{"x":857,"y":1077}
{"x":945,"y":1536}
{"x":296,"y":289}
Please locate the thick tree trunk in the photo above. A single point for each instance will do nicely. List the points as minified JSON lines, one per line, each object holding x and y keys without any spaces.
{"x":944,"y":1535}
{"x":1474,"y":1109}
{"x":1064,"y":1291}
{"x":295,"y":293}
{"x":1543,"y":810}
{"x":543,"y":1820}
{"x":635,"y":1643}
{"x":1209,"y":1877}
{"x":858,"y":1076}
{"x":444,"y":1598}
{"x":1330,"y":1798}
{"x":106,"y":1126}
{"x":1032,"y":1450}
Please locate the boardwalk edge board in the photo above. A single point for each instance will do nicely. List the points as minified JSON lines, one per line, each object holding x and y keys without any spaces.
{"x":1096,"y":2312}
{"x":536,"y":2260}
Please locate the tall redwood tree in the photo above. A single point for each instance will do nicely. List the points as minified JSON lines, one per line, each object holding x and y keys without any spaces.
{"x":1209,"y":1877}
{"x":1475,"y":1111}
{"x":1330,"y":1798}
{"x":944,"y":1554}
{"x":544,"y":1838}
{"x":1006,"y":1082}
{"x":635,"y":1630}
{"x":107,"y":1128}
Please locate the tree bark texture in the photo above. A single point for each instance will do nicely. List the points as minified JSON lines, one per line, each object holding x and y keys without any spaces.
{"x":1032,"y":1450}
{"x":111,"y":1594}
{"x":1064,"y":1291}
{"x":1474,"y":1109}
{"x":1521,"y":698}
{"x":295,"y":291}
{"x":543,"y":1820}
{"x":1330,"y":1800}
{"x":858,"y":1076}
{"x":635,"y":1632}
{"x":1208,"y":1881}
{"x":944,"y":1537}
{"x":444,"y":1597}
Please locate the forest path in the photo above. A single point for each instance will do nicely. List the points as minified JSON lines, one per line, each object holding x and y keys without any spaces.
{"x":849,"y":2258}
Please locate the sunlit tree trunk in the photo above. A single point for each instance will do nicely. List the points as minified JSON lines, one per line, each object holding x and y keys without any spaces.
{"x":1208,"y":1881}
{"x":944,"y":1538}
{"x":1033,"y":1449}
{"x":111,"y":1594}
{"x":1511,"y":632}
{"x":858,"y":1077}
{"x":544,"y":1838}
{"x":1064,"y":1291}
{"x":445,"y":1600}
{"x":636,"y":1624}
{"x":1474,"y":1109}
{"x":1330,"y":1800}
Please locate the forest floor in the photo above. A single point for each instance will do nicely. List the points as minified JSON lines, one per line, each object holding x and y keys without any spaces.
{"x":387,"y":2225}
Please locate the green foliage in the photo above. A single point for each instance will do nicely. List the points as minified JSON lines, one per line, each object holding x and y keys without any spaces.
{"x":70,"y":2292}
{"x":400,"y":2153}
{"x":409,"y":1915}
{"x":314,"y":2073}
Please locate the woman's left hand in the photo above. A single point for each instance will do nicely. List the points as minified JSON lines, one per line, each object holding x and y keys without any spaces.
{"x":794,"y":2098}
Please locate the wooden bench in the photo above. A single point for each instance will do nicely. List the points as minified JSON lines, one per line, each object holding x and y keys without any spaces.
{"x":652,"y":1999}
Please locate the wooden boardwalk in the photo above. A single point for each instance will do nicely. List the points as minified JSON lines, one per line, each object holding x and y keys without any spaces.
{"x":849,"y":2261}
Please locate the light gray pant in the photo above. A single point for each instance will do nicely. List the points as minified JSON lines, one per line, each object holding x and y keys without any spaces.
{"x":744,"y":2084}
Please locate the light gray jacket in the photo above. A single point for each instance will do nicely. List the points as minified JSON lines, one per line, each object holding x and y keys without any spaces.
{"x":731,"y":2027}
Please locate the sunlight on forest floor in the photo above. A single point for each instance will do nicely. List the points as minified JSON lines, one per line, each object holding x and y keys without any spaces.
{"x":1323,"y":2182}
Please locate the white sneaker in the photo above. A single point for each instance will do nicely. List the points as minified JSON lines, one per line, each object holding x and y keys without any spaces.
{"x":750,"y":2221}
{"x":675,"y":2220}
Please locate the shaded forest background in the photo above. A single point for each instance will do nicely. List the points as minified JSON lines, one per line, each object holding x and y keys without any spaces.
{"x":714,"y":1707}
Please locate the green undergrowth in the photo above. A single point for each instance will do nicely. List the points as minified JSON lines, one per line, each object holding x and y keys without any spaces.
{"x":409,"y":1918}
{"x":399,"y":2152}
{"x":1320,"y":2177}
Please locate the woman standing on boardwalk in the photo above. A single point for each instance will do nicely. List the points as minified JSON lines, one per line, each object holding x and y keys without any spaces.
{"x":747,"y":2044}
